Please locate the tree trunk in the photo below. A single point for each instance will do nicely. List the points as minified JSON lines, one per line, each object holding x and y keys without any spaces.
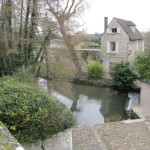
{"x":70,"y":46}
{"x":26,"y":30}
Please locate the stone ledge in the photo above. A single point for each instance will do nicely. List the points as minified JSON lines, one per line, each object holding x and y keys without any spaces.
{"x":137,"y":112}
{"x":7,"y":141}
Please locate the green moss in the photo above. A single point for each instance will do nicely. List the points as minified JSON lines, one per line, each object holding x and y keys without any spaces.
{"x":7,"y":146}
{"x":1,"y":135}
{"x":1,"y":124}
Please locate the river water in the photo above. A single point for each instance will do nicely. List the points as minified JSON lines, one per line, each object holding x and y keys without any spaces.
{"x":92,"y":105}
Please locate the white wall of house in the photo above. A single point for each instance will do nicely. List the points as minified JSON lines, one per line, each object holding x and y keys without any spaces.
{"x":120,"y":38}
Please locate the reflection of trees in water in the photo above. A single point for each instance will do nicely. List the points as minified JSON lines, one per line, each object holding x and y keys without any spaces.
{"x":74,"y":106}
{"x":94,"y":92}
{"x":113,"y":109}
{"x":113,"y":103}
{"x":64,"y":88}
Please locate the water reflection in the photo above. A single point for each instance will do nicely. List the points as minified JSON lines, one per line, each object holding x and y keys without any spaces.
{"x":87,"y":111}
{"x":90,"y":105}
{"x":134,"y":99}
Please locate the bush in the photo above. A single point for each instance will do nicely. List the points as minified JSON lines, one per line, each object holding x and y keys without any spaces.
{"x":95,"y":70}
{"x":30,"y":114}
{"x":123,"y":74}
{"x":142,"y":63}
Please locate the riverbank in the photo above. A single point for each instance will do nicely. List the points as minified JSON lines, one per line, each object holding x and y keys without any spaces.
{"x":84,"y":80}
{"x":122,"y":135}
{"x":103,"y":82}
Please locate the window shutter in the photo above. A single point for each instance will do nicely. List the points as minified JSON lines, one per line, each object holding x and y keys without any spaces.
{"x":108,"y":47}
{"x":117,"y":47}
{"x":118,"y":30}
{"x":108,"y":30}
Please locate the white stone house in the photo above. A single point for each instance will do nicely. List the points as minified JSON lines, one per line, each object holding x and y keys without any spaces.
{"x":120,"y":40}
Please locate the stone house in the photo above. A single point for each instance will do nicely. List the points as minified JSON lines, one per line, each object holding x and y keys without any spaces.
{"x":120,"y":40}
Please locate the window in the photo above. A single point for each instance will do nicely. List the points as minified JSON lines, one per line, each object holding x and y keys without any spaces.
{"x":114,"y":30}
{"x":113,"y":46}
{"x":132,"y":28}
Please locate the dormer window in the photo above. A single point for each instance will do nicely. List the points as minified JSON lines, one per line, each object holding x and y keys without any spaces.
{"x":114,"y":30}
{"x":132,"y":28}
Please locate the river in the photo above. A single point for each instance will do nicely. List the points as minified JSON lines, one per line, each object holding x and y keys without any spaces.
{"x":92,"y":105}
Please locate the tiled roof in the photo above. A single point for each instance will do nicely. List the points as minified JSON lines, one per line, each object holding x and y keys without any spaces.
{"x":125,"y":24}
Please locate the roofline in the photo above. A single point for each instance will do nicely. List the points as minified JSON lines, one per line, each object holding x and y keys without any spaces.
{"x":118,"y":24}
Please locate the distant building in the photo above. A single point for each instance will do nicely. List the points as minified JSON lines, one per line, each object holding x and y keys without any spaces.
{"x":120,"y":40}
{"x":58,"y":53}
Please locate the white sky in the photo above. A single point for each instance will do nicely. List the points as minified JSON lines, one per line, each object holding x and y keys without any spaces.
{"x":137,"y":11}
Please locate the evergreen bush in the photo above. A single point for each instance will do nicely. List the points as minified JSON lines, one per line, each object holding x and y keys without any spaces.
{"x":123,"y":74}
{"x":142,"y":63}
{"x":30,"y":114}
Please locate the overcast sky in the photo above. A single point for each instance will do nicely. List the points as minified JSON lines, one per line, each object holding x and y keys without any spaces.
{"x":137,"y":11}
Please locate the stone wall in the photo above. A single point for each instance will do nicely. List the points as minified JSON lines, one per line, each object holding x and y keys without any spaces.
{"x":7,"y":141}
{"x":122,"y":40}
{"x":123,"y":46}
{"x":135,"y":46}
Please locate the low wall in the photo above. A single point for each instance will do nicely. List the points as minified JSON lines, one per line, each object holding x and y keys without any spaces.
{"x":7,"y":141}
{"x":136,"y":109}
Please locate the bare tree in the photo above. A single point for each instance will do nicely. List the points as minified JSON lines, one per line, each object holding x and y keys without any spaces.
{"x":26,"y":29}
{"x":64,"y":12}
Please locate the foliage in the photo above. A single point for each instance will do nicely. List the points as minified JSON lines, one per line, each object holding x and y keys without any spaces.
{"x":30,"y":114}
{"x":55,"y":71}
{"x":123,"y":74}
{"x":142,"y":63}
{"x":15,"y":51}
{"x":23,"y":76}
{"x":28,"y":26}
{"x":21,"y":45}
{"x":95,"y":70}
{"x":147,"y":39}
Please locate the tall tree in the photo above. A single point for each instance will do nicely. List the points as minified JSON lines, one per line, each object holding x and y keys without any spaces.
{"x":26,"y":31}
{"x":6,"y":44}
{"x":64,"y":12}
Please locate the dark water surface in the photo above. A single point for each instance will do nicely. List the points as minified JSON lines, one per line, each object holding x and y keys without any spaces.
{"x":90,"y":105}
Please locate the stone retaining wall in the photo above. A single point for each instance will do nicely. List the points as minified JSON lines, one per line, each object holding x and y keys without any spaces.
{"x":7,"y":141}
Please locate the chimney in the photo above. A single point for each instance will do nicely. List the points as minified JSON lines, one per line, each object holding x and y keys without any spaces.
{"x":105,"y":23}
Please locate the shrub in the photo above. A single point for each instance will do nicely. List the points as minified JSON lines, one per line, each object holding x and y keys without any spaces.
{"x":123,"y":74}
{"x":95,"y":70}
{"x":30,"y":114}
{"x":142,"y":63}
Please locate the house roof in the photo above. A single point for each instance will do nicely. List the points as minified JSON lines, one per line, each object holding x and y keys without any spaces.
{"x":125,"y":24}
